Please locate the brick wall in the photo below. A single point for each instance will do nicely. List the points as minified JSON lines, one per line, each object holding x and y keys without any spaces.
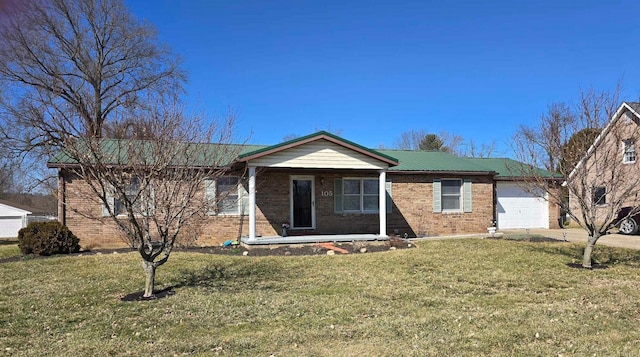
{"x":412,"y":211}
{"x":413,"y":207}
{"x":84,"y":216}
{"x":554,"y":207}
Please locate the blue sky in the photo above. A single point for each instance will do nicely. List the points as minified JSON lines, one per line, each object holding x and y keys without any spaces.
{"x":373,"y":69}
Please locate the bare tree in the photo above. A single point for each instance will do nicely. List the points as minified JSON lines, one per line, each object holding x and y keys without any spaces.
{"x":444,"y":141}
{"x":290,"y":136}
{"x":410,"y":140}
{"x":578,"y":144}
{"x":601,"y":183}
{"x":452,"y":142}
{"x":422,"y":140}
{"x":553,"y":130}
{"x":484,"y":150}
{"x":67,"y":65}
{"x":6,"y":176}
{"x":128,"y":129}
{"x":153,"y":189}
{"x":330,"y":129}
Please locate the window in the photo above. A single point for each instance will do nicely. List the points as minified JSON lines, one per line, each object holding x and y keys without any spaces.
{"x":142,"y":202}
{"x":628,"y":119}
{"x":226,"y":196}
{"x":360,"y":195}
{"x":370,"y":195}
{"x":227,"y":192}
{"x":451,"y":195}
{"x":599,"y":195}
{"x":351,"y":191}
{"x":629,"y":155}
{"x":131,"y":190}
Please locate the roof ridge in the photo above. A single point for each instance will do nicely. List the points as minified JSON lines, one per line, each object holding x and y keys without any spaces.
{"x":316,"y":136}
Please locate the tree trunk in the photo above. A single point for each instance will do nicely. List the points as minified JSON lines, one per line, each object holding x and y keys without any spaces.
{"x":588,"y":250}
{"x":150,"y":270}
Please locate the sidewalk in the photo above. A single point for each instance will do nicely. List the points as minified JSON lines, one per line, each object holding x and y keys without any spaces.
{"x":580,"y":236}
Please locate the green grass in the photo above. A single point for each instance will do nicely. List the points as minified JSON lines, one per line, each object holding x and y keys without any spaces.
{"x":453,"y":297}
{"x":8,"y":248}
{"x":522,"y":236}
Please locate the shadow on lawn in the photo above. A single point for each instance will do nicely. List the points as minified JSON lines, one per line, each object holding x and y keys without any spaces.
{"x":602,"y":258}
{"x":137,"y":296}
{"x":252,"y":275}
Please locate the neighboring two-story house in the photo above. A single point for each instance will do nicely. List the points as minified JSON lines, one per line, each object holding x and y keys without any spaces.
{"x":608,"y":177}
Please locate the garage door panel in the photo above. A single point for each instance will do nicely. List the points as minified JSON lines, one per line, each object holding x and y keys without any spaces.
{"x":518,"y":208}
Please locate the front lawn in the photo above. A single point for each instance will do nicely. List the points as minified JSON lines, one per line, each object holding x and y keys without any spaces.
{"x":8,"y":248}
{"x":451,"y":297}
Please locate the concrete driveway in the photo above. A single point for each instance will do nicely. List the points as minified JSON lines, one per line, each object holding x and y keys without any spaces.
{"x":580,"y":236}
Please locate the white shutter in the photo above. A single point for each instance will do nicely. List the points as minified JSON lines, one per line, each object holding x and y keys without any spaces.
{"x":149,"y":201}
{"x":110,"y":202}
{"x":467,"y":201}
{"x":388,"y":200}
{"x":210,"y":195}
{"x":437,"y":196}
{"x":244,"y":199}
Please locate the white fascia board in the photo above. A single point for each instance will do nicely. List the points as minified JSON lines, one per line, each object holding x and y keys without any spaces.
{"x":15,"y":209}
{"x":602,"y":135}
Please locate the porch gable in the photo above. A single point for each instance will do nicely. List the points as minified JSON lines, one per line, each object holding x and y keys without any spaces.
{"x":320,"y":154}
{"x":321,"y":150}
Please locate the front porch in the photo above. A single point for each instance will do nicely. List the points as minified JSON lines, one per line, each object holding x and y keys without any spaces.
{"x":320,"y":184}
{"x":315,"y":238}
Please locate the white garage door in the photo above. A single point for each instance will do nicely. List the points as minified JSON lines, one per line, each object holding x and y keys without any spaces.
{"x":518,"y":208}
{"x":9,"y":226}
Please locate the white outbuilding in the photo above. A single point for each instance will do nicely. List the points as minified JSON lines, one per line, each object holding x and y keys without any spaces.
{"x":12,"y":219}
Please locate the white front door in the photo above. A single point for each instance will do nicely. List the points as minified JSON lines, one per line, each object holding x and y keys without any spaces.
{"x":303,"y":202}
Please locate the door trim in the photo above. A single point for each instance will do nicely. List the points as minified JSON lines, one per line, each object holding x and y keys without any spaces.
{"x":313,"y":200}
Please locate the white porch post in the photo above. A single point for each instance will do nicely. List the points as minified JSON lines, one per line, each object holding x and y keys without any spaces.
{"x":383,"y":203}
{"x":252,"y":203}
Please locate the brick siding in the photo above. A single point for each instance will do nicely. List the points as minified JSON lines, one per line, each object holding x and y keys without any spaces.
{"x":412,"y":211}
{"x":413,"y":207}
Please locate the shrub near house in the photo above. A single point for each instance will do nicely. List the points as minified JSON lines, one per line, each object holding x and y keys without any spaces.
{"x":47,"y":238}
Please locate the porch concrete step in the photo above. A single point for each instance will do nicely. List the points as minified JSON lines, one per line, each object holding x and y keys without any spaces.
{"x":313,"y":239}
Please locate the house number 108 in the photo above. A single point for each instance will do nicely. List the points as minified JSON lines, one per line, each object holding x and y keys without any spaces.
{"x":326,"y":193}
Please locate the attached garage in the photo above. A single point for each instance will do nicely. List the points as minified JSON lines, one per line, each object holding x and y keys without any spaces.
{"x":519,"y":209}
{"x":12,"y":219}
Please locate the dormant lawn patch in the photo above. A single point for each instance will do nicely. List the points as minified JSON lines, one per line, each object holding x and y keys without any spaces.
{"x":459,"y":297}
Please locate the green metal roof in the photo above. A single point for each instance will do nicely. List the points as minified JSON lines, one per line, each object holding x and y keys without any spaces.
{"x":407,"y":161}
{"x":508,"y":168}
{"x":432,"y":161}
{"x":115,"y":152}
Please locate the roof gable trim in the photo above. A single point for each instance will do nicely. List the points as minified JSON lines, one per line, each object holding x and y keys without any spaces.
{"x":321,"y":135}
{"x":19,"y":210}
{"x":616,"y":116}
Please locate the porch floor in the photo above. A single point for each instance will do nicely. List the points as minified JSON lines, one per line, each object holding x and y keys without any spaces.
{"x":313,"y":239}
